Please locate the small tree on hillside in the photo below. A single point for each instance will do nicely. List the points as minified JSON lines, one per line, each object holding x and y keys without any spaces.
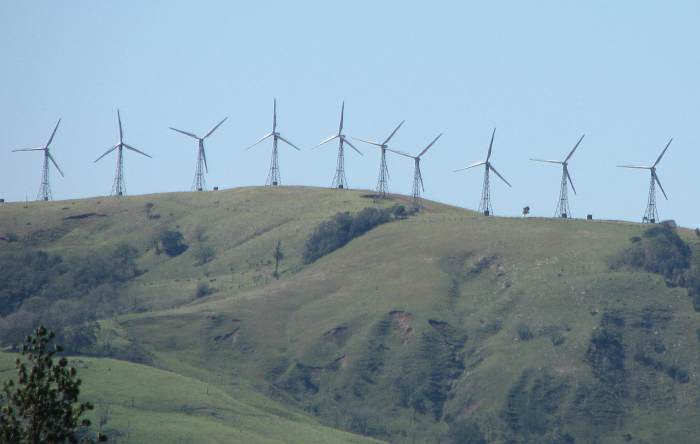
{"x":278,"y":255}
{"x":43,"y":407}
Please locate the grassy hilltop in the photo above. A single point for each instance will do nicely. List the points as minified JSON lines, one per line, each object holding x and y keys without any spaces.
{"x":443,"y":326}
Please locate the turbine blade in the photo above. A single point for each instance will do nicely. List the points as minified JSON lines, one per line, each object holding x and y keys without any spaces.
{"x":660,"y":186}
{"x":568,"y":176}
{"x":53,"y":134}
{"x":499,"y":175}
{"x":326,"y":140}
{"x":342,"y":112}
{"x":471,"y":166}
{"x":135,"y":150}
{"x":369,"y":141}
{"x":121,"y":132}
{"x":638,"y":167}
{"x":548,"y":161}
{"x":488,"y":156}
{"x":401,"y":153}
{"x":574,"y":149}
{"x":420,"y":174}
{"x":28,"y":149}
{"x":429,"y":145}
{"x":260,"y":140}
{"x":108,"y":151}
{"x":393,"y":132}
{"x":184,"y":132}
{"x":274,"y":115}
{"x":214,"y":129}
{"x":288,"y":143}
{"x":54,"y":163}
{"x":204,"y":157}
{"x":663,"y":152}
{"x":345,"y":140}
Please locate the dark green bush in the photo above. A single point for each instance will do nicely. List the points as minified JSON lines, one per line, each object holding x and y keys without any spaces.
{"x":172,"y":242}
{"x":343,"y":227}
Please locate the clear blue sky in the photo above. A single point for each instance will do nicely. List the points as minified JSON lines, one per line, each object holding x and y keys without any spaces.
{"x":543,"y":72}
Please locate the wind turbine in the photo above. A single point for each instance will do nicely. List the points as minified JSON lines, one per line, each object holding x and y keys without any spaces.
{"x":417,"y":175}
{"x":651,"y":215}
{"x":485,"y":205}
{"x":563,"y":204}
{"x":118,"y":188}
{"x":199,"y":182}
{"x":273,"y":177}
{"x":339,"y":180}
{"x":45,"y":188}
{"x":382,"y":186}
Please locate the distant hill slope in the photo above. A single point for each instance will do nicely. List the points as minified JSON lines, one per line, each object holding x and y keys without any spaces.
{"x":444,"y":325}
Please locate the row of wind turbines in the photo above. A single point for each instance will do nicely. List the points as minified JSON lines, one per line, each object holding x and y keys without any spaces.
{"x":339,"y":179}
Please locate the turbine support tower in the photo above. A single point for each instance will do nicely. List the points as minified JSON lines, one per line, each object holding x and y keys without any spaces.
{"x":382,"y":186}
{"x":273,"y":176}
{"x":119,"y":187}
{"x":199,"y":183}
{"x":339,"y":180}
{"x":651,"y":215}
{"x":417,"y":183}
{"x":45,"y":187}
{"x":563,"y":204}
{"x":485,"y":207}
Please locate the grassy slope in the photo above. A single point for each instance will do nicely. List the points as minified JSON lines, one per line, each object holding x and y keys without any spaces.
{"x":487,"y":278}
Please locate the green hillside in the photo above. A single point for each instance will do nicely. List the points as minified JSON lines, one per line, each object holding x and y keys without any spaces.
{"x":445,"y":325}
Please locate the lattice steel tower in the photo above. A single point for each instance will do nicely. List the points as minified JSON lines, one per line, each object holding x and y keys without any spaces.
{"x":199,"y":183}
{"x":651,"y":214}
{"x":118,"y":186}
{"x":563,"y":202}
{"x":339,"y":179}
{"x":273,"y":175}
{"x":45,"y":187}
{"x":485,"y":207}
{"x":382,"y":181}
{"x":418,"y":185}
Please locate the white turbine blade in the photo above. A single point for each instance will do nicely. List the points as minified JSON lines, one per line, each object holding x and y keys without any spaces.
{"x":28,"y":149}
{"x":214,"y":129}
{"x":260,"y":140}
{"x":274,"y":115}
{"x":574,"y":149}
{"x":326,"y":140}
{"x":369,"y":141}
{"x":638,"y":167}
{"x":55,"y":164}
{"x":184,"y":132}
{"x":53,"y":134}
{"x":204,"y":157}
{"x":393,"y":132}
{"x":135,"y":150}
{"x":488,"y":156}
{"x":548,"y":161}
{"x":401,"y":153}
{"x":660,"y":186}
{"x":568,"y":176}
{"x":121,"y":132}
{"x":345,"y":140}
{"x":429,"y":145}
{"x":499,"y":175}
{"x":420,"y":174}
{"x":471,"y":166}
{"x":663,"y":152}
{"x":342,"y":112}
{"x":108,"y":151}
{"x":288,"y":143}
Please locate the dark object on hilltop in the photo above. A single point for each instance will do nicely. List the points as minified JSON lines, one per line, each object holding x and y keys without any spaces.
{"x":697,"y":232}
{"x":526,"y":211}
{"x":589,"y":217}
{"x":172,"y":242}
{"x":343,"y":227}
{"x":43,"y":406}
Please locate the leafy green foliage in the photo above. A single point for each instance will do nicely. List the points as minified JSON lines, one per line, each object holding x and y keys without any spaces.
{"x":343,"y":227}
{"x":172,"y":242}
{"x":43,"y":406}
{"x":204,"y":253}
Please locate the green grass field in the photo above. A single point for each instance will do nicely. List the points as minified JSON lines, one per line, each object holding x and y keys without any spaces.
{"x":410,"y":330}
